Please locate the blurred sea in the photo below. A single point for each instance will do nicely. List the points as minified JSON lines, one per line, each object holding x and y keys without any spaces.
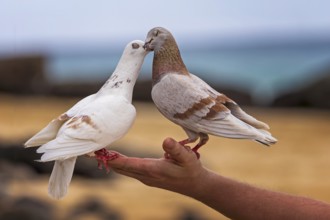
{"x":269,"y":70}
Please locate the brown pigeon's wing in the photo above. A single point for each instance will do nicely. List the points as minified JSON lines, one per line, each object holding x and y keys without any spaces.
{"x":180,"y":99}
{"x":204,"y":86}
{"x":190,"y":104}
{"x":211,"y":116}
{"x":239,"y":113}
{"x":231,"y":105}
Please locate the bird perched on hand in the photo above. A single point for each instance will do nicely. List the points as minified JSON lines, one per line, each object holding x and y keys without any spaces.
{"x":190,"y":102}
{"x":92,"y":124}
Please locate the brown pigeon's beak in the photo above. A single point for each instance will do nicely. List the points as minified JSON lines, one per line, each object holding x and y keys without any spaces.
{"x":147,"y":46}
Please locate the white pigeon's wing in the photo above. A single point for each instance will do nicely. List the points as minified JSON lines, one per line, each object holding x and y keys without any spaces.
{"x":80,"y":105}
{"x":50,"y":131}
{"x":63,"y":148}
{"x":94,"y":128}
{"x":78,"y":136}
{"x":47,"y":133}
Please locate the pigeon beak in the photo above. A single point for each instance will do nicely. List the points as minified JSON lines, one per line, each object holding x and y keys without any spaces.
{"x":146,"y":45}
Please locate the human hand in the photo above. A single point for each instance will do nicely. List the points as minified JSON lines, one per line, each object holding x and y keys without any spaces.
{"x":180,"y":171}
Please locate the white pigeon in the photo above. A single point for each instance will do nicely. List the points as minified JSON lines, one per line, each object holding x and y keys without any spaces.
{"x":92,"y":124}
{"x":190,"y":102}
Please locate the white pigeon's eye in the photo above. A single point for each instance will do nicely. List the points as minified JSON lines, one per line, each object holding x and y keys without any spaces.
{"x":135,"y":45}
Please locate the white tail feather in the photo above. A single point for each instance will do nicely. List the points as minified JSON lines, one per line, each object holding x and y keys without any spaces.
{"x":61,"y":177}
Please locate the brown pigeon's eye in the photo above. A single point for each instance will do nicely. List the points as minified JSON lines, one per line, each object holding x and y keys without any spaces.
{"x":135,"y":45}
{"x":156,"y":32}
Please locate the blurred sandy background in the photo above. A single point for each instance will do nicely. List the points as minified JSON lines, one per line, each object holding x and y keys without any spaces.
{"x":271,"y":57}
{"x":298,"y":164}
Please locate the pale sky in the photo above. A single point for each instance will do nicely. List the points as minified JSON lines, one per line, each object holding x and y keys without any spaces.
{"x":33,"y":23}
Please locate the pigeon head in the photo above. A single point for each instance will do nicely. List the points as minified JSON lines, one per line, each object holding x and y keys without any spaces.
{"x":167,"y":58}
{"x":156,"y":38}
{"x":135,"y":48}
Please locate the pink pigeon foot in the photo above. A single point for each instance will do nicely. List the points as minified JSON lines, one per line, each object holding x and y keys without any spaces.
{"x":188,"y":141}
{"x":183,"y":143}
{"x":103,"y":156}
{"x":202,"y":141}
{"x":195,"y":149}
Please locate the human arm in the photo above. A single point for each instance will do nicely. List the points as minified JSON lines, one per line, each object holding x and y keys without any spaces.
{"x":183,"y":173}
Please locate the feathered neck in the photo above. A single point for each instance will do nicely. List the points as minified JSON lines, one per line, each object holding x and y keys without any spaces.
{"x":124,"y":77}
{"x":167,"y":59}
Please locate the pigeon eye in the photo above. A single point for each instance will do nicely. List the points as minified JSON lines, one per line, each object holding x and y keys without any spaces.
{"x":135,"y":45}
{"x":156,"y":32}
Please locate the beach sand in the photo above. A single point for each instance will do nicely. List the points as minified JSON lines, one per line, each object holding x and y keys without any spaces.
{"x":299,"y":163}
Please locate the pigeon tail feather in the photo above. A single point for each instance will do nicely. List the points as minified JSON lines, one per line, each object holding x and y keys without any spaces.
{"x":267,"y":139}
{"x":61,"y":177}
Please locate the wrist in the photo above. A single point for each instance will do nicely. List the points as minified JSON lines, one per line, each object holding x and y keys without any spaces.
{"x":201,"y":185}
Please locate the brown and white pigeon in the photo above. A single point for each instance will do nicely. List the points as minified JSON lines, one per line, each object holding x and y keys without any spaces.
{"x":190,"y":102}
{"x":92,"y":124}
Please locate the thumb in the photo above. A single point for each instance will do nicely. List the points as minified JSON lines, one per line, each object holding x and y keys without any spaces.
{"x":177,"y":152}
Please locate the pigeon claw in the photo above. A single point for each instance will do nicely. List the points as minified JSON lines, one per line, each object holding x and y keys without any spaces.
{"x":185,"y":141}
{"x":103,"y":156}
{"x":195,"y":151}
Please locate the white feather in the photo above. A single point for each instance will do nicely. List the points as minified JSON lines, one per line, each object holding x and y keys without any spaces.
{"x":46,"y":134}
{"x":50,"y":131}
{"x":61,"y":177}
{"x":93,"y":123}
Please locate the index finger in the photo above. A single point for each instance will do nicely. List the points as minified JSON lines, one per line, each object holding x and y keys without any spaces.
{"x":132,"y":164}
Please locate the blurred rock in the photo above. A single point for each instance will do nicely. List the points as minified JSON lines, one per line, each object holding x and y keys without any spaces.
{"x":15,"y":170}
{"x":28,"y":209}
{"x":240,"y":97}
{"x":87,"y":167}
{"x":189,"y":214}
{"x":74,"y":89}
{"x":142,"y":91}
{"x":17,"y":160}
{"x":315,"y":95}
{"x":23,"y":74}
{"x":19,"y":157}
{"x":26,"y":75}
{"x":17,"y":154}
{"x":94,"y":209}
